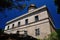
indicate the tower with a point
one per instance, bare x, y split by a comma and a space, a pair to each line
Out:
31, 7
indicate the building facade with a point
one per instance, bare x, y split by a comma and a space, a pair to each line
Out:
36, 23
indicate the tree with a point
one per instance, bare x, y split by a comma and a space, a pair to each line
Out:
52, 36
5, 4
57, 2
9, 4
1, 31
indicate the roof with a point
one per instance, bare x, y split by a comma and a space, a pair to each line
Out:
44, 6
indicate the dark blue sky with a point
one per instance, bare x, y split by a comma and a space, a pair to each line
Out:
16, 12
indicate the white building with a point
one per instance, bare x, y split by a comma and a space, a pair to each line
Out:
36, 23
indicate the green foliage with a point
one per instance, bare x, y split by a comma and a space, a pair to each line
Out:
52, 36
58, 32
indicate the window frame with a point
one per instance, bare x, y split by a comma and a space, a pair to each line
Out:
26, 21
12, 25
17, 32
18, 24
37, 31
36, 18
25, 33
8, 28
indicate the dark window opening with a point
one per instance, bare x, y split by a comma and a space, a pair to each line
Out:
18, 24
26, 21
17, 32
36, 18
12, 25
37, 32
25, 33
8, 28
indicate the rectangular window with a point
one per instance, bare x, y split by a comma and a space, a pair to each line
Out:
26, 21
37, 32
36, 18
18, 24
25, 33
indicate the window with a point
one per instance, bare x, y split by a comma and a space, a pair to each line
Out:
17, 32
37, 32
8, 28
25, 33
26, 21
12, 25
18, 24
36, 18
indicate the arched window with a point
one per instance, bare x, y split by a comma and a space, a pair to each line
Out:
18, 24
12, 25
17, 32
26, 21
8, 28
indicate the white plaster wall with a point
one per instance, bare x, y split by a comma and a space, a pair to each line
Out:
44, 25
6, 27
44, 29
41, 15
